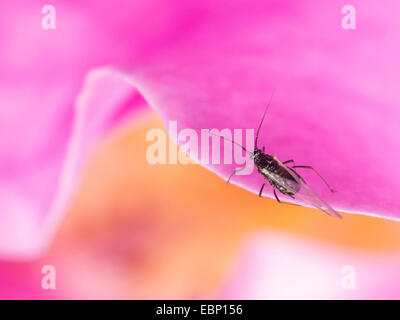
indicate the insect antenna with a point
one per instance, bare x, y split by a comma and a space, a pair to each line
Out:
262, 120
222, 137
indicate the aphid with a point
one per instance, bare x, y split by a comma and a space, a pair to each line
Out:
284, 178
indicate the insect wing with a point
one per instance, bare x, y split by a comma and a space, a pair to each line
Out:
309, 196
303, 192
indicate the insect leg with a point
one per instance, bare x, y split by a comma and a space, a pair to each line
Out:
288, 161
309, 167
284, 202
234, 172
276, 196
297, 174
261, 190
294, 166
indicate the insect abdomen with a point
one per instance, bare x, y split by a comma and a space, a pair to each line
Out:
281, 179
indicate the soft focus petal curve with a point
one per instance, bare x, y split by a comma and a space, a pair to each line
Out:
35, 196
49, 116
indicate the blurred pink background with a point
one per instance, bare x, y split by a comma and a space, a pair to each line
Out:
179, 232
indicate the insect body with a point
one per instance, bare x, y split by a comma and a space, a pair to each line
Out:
277, 176
284, 178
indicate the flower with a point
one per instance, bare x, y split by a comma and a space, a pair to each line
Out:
186, 234
205, 64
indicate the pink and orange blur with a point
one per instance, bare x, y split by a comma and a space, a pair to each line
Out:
77, 193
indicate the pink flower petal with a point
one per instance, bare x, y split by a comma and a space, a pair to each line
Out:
336, 101
44, 133
38, 180
204, 64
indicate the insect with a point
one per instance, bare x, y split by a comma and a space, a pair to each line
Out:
283, 178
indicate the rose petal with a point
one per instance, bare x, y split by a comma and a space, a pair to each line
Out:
45, 132
43, 137
336, 100
205, 65
121, 241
